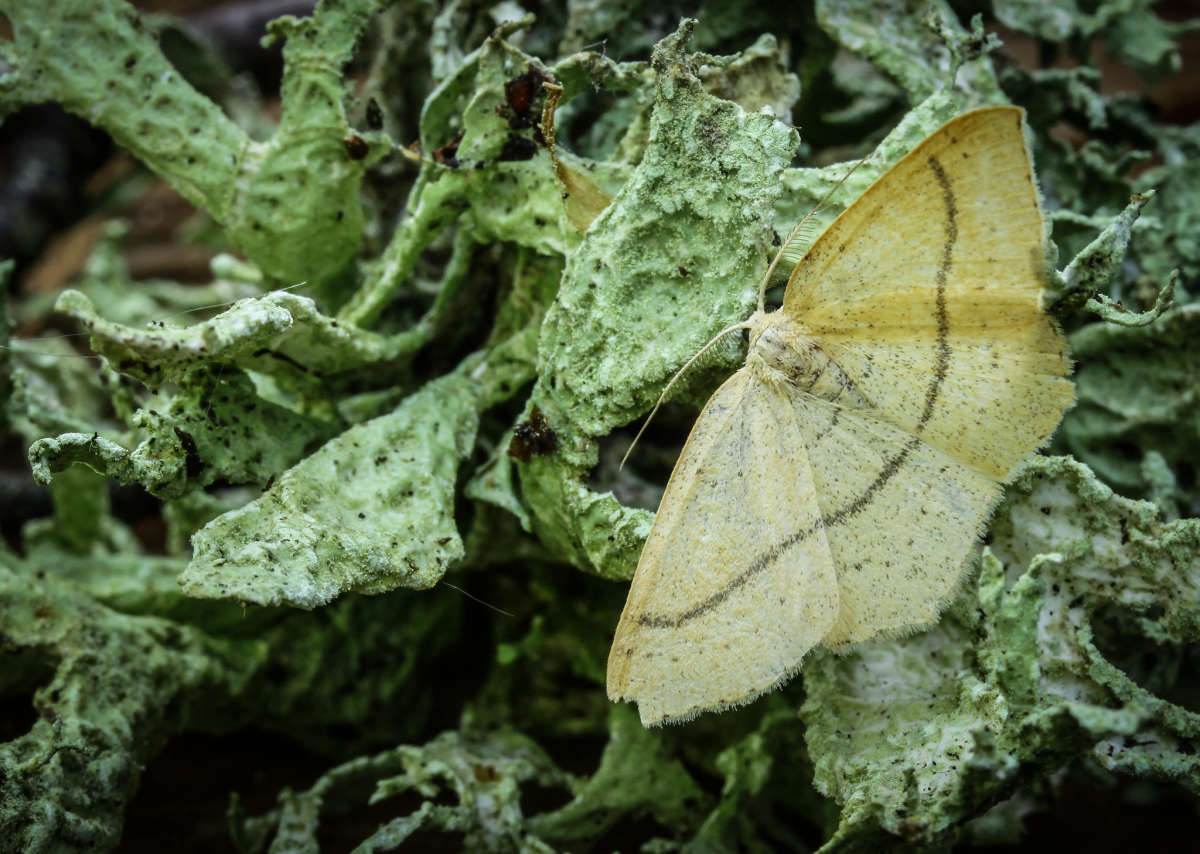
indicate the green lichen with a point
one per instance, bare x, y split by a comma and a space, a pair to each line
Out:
1012, 682
118, 661
1096, 266
925, 51
120, 684
187, 446
501, 181
422, 448
619, 328
1175, 206
372, 510
269, 333
290, 203
184, 435
1137, 396
485, 774
1131, 29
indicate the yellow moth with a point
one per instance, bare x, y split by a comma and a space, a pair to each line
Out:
833, 488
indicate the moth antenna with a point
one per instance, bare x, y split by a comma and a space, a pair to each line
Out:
744, 324
791, 253
477, 599
762, 288
225, 304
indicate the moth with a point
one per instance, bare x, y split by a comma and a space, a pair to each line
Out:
833, 488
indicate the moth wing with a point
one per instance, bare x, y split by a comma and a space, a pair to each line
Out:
999, 392
900, 517
722, 608
893, 237
926, 293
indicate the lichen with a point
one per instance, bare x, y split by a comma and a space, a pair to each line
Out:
485, 774
1136, 390
371, 511
1013, 681
290, 203
386, 434
120, 684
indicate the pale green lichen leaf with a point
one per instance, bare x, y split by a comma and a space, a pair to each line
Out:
215, 427
637, 776
495, 171
48, 456
911, 736
1051, 21
110, 688
1141, 38
754, 78
98, 60
511, 188
291, 203
495, 483
694, 218
1136, 394
924, 51
483, 773
82, 523
592, 530
371, 510
280, 331
1176, 243
1106, 308
108, 283
616, 132
696, 213
113, 662
54, 390
767, 790
1096, 267
1058, 92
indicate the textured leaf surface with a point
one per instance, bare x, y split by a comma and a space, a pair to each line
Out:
1014, 678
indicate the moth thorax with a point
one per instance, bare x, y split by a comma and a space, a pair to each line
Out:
787, 347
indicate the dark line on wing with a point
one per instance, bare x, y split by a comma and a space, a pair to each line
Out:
941, 365
773, 553
828, 428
